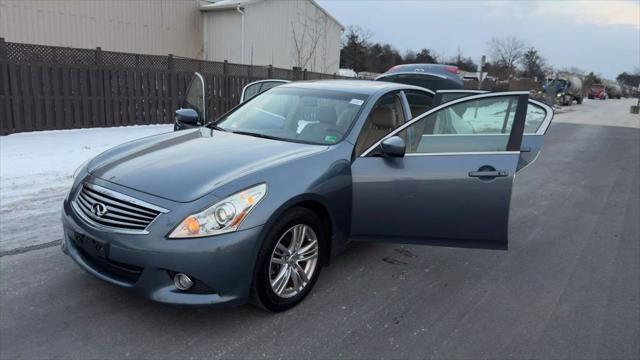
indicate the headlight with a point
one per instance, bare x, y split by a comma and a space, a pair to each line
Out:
559, 95
223, 217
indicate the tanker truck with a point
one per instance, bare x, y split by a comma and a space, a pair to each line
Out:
613, 90
568, 88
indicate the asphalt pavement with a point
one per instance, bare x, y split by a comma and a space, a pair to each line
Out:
567, 288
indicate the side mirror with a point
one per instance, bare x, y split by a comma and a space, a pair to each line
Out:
393, 147
188, 116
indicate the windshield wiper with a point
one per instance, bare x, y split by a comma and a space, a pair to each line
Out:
257, 135
215, 127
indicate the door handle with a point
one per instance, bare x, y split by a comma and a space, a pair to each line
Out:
488, 174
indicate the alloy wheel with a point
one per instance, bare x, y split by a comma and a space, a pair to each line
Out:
293, 261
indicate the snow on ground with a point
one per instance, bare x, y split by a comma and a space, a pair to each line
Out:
35, 174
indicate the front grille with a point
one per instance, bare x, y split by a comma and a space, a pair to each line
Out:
107, 209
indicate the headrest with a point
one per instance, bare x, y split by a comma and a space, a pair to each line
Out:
383, 117
327, 115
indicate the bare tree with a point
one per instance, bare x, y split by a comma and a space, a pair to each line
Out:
505, 53
307, 31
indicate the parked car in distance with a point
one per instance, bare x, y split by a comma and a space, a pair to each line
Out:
597, 91
430, 76
250, 206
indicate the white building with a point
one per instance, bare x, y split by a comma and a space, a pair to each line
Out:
282, 33
260, 32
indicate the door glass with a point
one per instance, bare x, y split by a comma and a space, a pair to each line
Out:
252, 90
449, 96
470, 126
194, 98
419, 102
385, 116
535, 116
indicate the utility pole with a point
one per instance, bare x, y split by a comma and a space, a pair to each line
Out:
480, 76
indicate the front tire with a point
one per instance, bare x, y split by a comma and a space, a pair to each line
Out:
289, 261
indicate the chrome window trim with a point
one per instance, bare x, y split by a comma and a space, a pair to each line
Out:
258, 82
118, 196
440, 107
465, 153
463, 91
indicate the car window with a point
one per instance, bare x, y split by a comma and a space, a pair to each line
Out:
297, 114
254, 89
385, 117
470, 126
194, 98
450, 96
419, 101
535, 116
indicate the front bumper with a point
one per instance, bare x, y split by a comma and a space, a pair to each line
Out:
222, 265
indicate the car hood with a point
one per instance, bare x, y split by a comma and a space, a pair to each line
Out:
186, 165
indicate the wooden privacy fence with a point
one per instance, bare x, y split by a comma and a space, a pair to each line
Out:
49, 87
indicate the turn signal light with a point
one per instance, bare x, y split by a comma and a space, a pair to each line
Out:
193, 225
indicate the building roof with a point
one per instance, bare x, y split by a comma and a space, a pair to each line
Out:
233, 4
225, 4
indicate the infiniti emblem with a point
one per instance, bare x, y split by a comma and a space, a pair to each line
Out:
99, 209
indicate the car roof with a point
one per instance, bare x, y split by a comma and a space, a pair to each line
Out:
365, 87
419, 67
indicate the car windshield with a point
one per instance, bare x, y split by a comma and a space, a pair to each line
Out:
296, 114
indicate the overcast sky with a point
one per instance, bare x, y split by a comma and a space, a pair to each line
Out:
599, 36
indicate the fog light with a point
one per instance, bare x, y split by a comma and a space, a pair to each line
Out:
182, 282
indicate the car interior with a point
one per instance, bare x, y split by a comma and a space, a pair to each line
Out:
386, 115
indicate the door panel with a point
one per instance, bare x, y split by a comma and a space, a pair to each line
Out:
454, 187
433, 200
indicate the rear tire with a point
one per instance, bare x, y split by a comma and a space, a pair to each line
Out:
284, 276
579, 100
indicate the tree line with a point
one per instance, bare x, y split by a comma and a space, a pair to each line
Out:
508, 57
